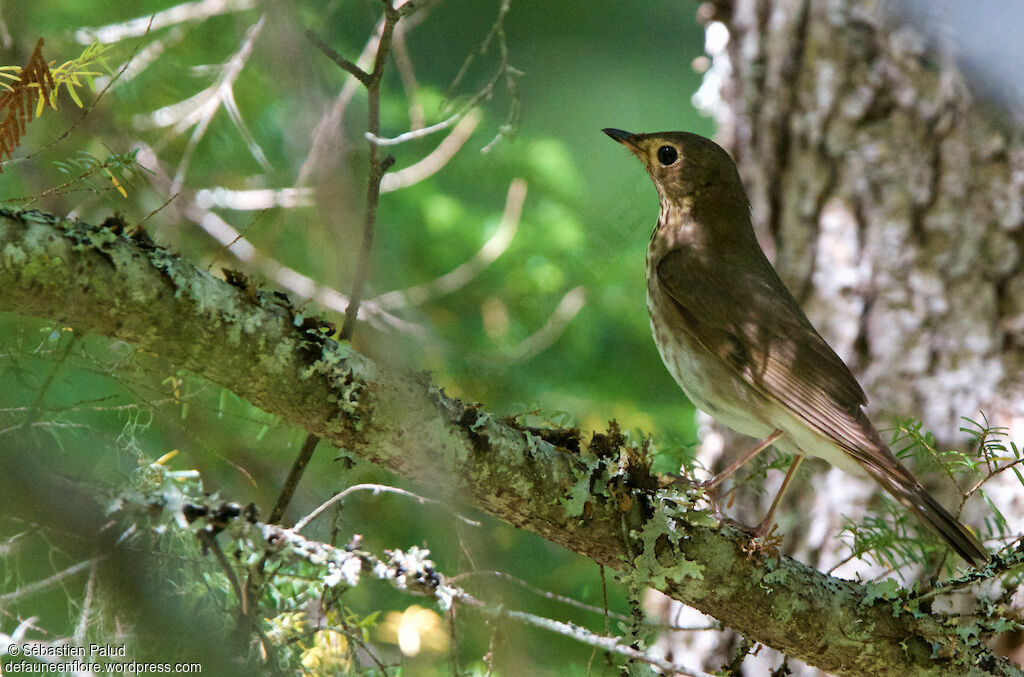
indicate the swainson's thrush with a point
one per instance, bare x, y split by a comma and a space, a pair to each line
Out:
735, 339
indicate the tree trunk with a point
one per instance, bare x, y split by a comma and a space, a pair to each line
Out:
889, 200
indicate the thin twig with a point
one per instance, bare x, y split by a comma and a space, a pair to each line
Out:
210, 541
377, 169
341, 61
991, 475
83, 617
153, 213
294, 477
211, 100
437, 159
417, 133
184, 12
505, 70
61, 359
376, 489
604, 611
45, 584
612, 644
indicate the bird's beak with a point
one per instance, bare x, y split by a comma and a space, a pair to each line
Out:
625, 138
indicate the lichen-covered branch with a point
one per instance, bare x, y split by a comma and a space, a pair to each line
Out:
594, 496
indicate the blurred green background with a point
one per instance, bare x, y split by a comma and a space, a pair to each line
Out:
101, 409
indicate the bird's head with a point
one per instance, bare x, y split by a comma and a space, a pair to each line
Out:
689, 171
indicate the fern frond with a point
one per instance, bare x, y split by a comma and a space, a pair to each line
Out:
33, 86
30, 88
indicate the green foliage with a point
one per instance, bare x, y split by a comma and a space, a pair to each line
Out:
994, 456
119, 168
33, 86
71, 75
891, 536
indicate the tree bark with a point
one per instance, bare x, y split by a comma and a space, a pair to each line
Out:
595, 497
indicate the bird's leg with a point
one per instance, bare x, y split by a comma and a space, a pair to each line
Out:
711, 485
740, 462
766, 525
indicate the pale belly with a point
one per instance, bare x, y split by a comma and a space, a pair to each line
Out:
720, 392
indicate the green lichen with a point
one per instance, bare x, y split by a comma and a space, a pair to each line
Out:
14, 255
30, 215
888, 589
575, 499
774, 576
659, 558
345, 371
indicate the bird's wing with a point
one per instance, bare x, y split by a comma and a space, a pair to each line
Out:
755, 326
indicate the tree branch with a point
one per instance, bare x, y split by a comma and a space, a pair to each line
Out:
595, 497
341, 61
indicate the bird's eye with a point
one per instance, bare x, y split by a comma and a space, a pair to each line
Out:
667, 155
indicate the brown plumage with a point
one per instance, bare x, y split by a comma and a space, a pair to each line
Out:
737, 342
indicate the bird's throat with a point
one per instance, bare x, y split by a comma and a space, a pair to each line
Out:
676, 225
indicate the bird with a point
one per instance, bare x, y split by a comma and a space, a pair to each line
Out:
737, 342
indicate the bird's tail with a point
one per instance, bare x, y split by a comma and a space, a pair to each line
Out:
909, 493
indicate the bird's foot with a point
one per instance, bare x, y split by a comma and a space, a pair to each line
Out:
764, 538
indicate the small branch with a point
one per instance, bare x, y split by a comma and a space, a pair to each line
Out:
417, 133
210, 541
581, 605
376, 489
83, 617
184, 12
377, 169
579, 634
505, 70
341, 61
45, 584
977, 485
294, 477
436, 160
216, 95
